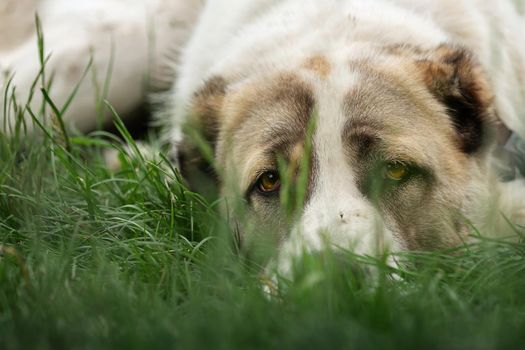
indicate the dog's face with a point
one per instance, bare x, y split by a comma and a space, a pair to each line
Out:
388, 148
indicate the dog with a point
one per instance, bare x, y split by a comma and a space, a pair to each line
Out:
390, 114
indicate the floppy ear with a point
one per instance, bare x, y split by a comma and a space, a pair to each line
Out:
206, 108
457, 80
201, 129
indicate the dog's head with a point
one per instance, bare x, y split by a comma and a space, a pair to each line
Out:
388, 146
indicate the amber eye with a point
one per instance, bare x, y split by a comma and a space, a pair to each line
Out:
395, 171
269, 182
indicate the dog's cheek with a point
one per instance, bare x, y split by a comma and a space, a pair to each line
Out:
259, 229
419, 216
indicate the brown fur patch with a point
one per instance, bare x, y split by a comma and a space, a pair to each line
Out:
319, 65
204, 119
458, 81
205, 111
263, 119
273, 108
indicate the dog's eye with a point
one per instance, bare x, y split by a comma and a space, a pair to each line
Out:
395, 171
269, 182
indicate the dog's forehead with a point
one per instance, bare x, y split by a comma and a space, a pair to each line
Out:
274, 111
395, 109
277, 109
350, 103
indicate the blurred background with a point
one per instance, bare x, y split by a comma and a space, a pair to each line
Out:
119, 50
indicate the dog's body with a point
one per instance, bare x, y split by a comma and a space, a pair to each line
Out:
398, 100
131, 43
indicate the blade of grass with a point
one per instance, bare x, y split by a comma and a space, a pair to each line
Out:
77, 86
59, 119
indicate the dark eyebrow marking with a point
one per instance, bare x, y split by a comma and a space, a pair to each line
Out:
361, 136
286, 91
281, 112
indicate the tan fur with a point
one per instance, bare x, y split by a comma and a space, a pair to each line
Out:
206, 108
265, 118
319, 65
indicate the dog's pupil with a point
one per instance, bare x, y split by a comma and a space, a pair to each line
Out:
269, 181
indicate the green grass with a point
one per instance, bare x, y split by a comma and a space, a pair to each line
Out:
132, 259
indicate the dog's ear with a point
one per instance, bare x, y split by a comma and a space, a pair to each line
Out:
205, 109
201, 129
457, 80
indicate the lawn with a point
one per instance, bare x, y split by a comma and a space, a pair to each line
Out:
92, 258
